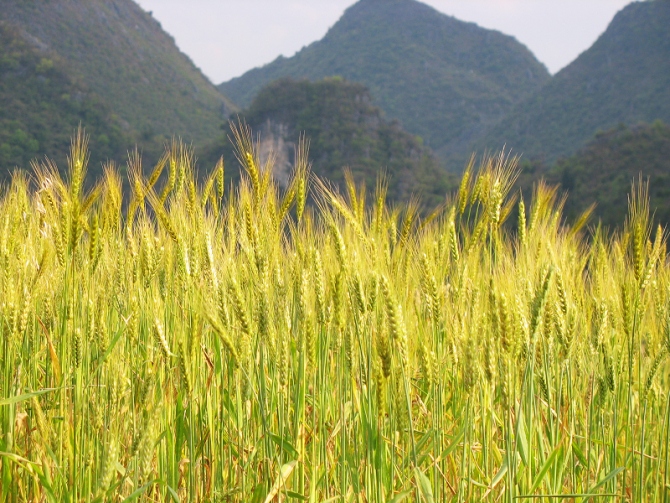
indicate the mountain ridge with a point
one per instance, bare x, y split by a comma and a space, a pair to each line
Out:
623, 78
41, 106
123, 55
443, 79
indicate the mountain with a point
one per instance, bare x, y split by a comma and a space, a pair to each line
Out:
443, 79
602, 172
121, 54
623, 78
41, 106
345, 130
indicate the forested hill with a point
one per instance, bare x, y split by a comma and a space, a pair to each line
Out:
623, 78
443, 79
41, 106
603, 170
120, 53
345, 131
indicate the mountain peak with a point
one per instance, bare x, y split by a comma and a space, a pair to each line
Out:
444, 79
382, 2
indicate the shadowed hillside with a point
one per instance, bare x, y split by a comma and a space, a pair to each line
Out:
345, 130
603, 170
623, 78
122, 54
41, 105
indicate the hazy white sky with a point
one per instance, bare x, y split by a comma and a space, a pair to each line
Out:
225, 38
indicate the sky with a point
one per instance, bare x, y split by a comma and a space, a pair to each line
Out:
225, 38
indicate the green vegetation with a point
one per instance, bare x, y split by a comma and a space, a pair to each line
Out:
239, 346
603, 171
623, 78
42, 106
345, 131
443, 79
121, 54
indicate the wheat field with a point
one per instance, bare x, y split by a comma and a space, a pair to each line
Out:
192, 341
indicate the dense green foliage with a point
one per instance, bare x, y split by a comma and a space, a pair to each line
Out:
444, 79
121, 53
604, 169
41, 106
346, 131
623, 78
233, 346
